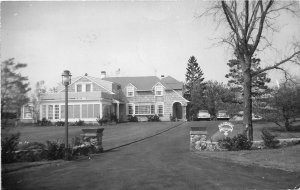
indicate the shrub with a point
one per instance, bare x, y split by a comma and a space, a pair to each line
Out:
59, 123
113, 117
239, 142
79, 123
55, 150
9, 145
269, 139
44, 122
102, 120
172, 118
226, 143
30, 152
132, 118
153, 118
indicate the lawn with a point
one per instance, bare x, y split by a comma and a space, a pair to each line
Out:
257, 128
113, 135
287, 158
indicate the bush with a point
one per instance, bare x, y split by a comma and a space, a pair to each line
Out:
9, 145
153, 118
59, 123
269, 139
132, 118
102, 120
172, 118
113, 117
239, 142
44, 122
55, 150
78, 123
30, 152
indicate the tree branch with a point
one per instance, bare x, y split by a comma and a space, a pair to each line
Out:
276, 65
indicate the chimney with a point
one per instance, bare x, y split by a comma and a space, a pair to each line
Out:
103, 74
162, 76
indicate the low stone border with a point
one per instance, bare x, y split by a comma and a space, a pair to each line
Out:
201, 144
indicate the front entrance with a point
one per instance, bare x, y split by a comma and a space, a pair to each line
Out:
177, 110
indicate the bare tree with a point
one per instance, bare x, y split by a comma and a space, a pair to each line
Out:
249, 23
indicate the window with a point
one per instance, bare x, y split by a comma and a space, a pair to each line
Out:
62, 111
76, 111
88, 87
130, 91
130, 109
160, 110
158, 90
50, 111
56, 115
44, 110
70, 111
90, 110
79, 88
144, 109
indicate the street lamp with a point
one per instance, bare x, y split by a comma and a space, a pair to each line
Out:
66, 80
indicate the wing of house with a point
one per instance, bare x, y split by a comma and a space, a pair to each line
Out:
92, 97
149, 95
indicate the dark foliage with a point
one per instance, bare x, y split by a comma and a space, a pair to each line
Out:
269, 139
59, 123
239, 142
44, 122
132, 118
55, 150
153, 118
9, 145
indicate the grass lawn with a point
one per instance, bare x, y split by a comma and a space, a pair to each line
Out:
113, 135
287, 158
257, 128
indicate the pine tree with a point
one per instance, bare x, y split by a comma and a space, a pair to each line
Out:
235, 76
14, 87
194, 86
193, 75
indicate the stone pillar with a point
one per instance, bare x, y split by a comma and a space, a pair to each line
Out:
118, 111
94, 137
198, 137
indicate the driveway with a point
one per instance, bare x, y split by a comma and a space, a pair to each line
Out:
161, 162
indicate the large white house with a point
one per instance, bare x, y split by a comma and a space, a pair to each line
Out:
92, 97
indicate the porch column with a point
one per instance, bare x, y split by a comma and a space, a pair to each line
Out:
184, 112
118, 111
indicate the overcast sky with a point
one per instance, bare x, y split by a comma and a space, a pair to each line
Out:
139, 38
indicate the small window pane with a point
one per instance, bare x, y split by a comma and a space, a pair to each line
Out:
50, 111
130, 109
56, 112
77, 111
62, 111
90, 110
84, 110
79, 88
88, 87
96, 110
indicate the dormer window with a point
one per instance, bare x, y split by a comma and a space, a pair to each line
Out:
88, 87
158, 90
84, 87
130, 91
79, 87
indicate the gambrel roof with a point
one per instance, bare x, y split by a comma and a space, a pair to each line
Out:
146, 83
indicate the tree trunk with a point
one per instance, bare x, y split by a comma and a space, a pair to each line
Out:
247, 120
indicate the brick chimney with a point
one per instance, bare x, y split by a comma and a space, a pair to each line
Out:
103, 74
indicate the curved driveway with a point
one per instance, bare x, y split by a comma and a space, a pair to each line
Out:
160, 162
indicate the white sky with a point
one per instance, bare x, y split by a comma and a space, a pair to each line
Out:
140, 38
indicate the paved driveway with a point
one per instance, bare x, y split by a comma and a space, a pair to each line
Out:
161, 162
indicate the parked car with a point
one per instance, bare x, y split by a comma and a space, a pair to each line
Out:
222, 115
203, 115
240, 116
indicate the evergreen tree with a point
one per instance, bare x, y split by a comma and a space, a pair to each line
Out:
14, 88
193, 75
194, 86
236, 80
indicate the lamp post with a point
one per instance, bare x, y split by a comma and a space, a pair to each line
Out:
66, 80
